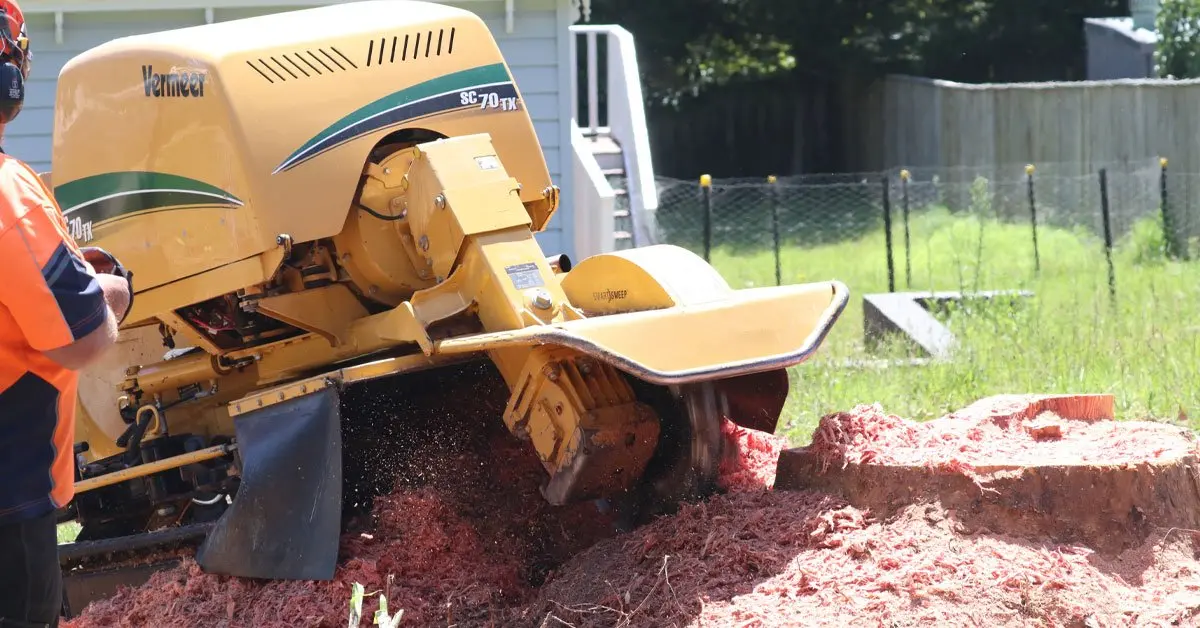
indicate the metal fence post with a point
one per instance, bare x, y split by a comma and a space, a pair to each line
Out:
1108, 238
1037, 261
706, 191
1167, 226
887, 234
904, 175
774, 192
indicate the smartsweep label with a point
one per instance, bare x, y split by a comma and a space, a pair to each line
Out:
608, 296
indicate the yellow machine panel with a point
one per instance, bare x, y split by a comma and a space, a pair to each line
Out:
251, 129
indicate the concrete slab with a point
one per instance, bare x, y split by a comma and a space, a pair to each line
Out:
911, 314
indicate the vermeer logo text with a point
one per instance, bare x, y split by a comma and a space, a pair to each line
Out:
180, 84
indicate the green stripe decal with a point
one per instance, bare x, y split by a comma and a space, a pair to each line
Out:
114, 194
435, 96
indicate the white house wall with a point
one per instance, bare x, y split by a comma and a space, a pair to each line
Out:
535, 50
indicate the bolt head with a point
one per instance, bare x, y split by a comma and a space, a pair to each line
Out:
423, 243
542, 300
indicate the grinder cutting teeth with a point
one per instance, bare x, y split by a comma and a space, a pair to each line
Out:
377, 239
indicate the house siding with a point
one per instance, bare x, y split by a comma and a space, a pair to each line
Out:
1115, 52
533, 51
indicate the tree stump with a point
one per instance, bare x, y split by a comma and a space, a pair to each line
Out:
1054, 466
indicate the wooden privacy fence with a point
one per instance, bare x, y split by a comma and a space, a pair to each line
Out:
858, 124
934, 123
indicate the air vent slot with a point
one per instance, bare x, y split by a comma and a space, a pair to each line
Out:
290, 66
420, 45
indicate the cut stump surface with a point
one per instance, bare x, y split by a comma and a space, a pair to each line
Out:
1054, 466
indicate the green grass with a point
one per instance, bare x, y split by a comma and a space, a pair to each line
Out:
1144, 348
67, 532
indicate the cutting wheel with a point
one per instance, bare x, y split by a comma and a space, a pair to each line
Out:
689, 455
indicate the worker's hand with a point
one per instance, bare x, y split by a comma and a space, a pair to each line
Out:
118, 294
104, 263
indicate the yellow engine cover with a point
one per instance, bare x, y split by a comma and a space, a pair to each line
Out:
189, 153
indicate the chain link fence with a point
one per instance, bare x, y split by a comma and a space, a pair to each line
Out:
936, 228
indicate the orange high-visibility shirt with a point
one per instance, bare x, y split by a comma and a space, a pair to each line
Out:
48, 299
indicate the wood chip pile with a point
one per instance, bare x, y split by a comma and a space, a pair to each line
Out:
825, 549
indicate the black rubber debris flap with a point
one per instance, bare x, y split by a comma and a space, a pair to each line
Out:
285, 522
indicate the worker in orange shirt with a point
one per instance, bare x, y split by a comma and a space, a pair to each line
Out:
60, 307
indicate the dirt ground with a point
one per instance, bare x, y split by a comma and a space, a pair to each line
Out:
473, 544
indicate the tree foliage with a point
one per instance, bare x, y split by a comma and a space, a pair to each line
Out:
687, 46
1177, 54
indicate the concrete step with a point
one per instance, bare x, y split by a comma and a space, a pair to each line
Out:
622, 240
608, 155
612, 165
604, 144
623, 224
616, 173
610, 161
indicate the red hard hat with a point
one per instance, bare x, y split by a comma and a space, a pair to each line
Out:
16, 30
14, 60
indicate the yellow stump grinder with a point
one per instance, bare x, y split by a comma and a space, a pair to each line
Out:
347, 196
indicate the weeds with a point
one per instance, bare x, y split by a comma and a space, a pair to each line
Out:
381, 618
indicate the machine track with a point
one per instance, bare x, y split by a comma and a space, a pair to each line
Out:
95, 569
79, 554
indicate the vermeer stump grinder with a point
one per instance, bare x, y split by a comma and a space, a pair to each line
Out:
343, 197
